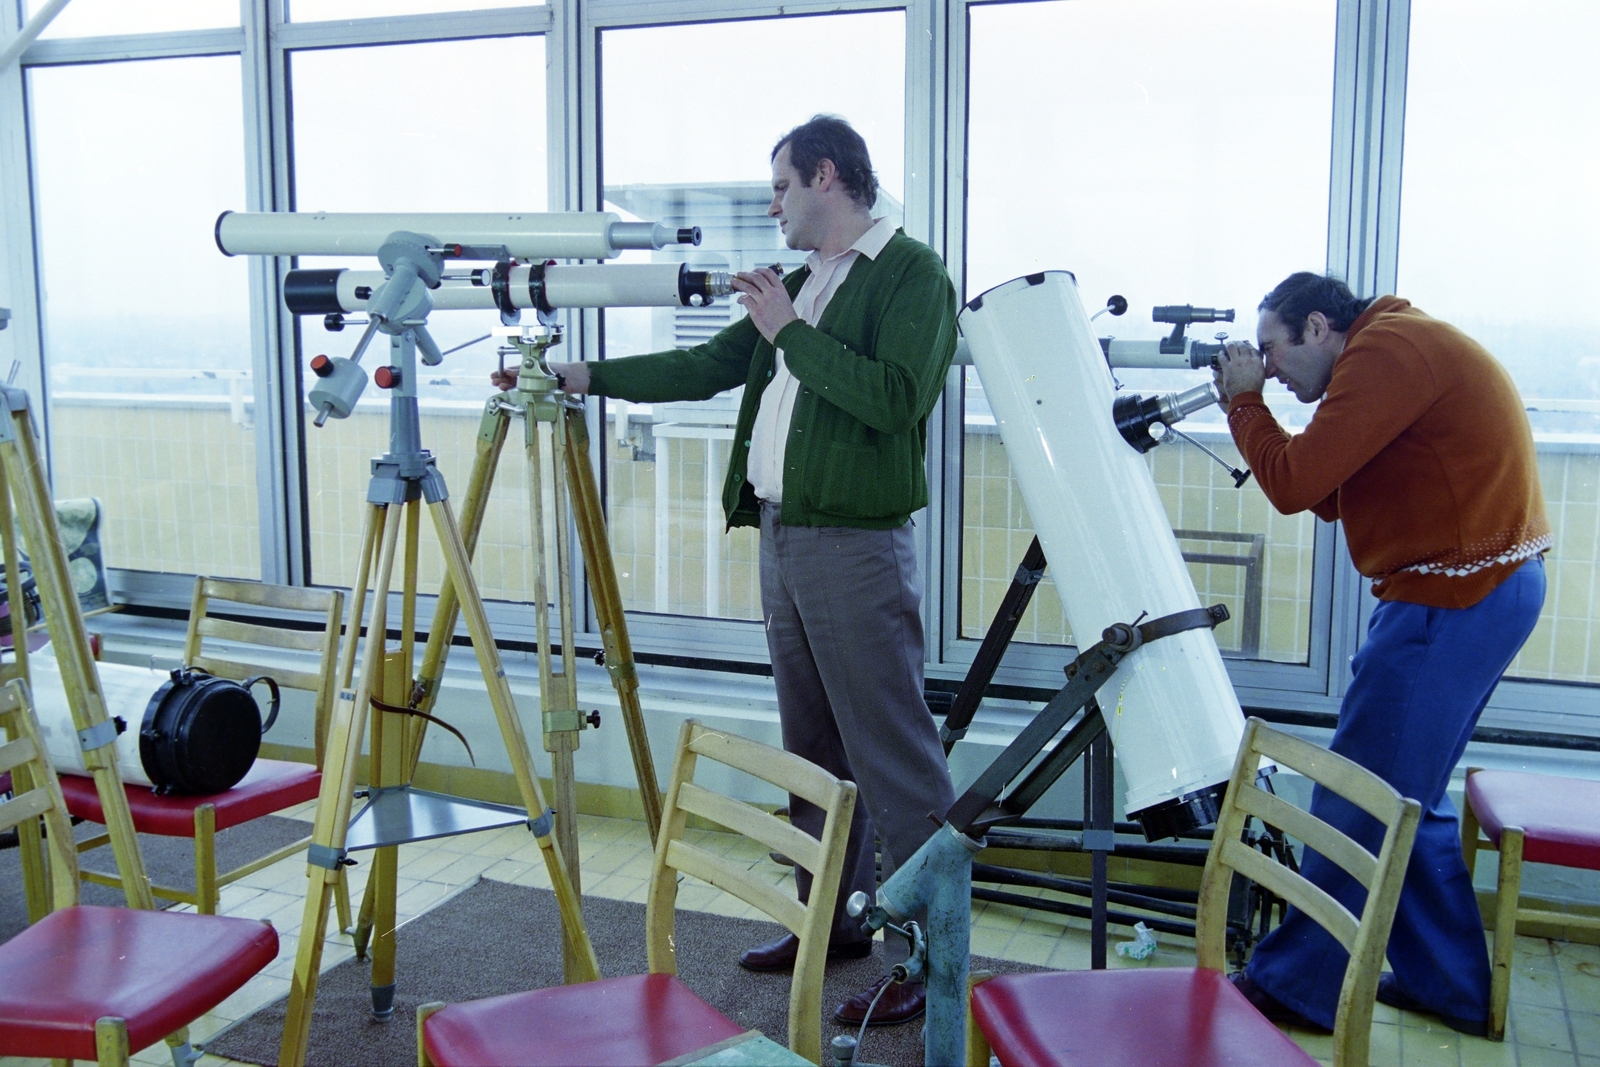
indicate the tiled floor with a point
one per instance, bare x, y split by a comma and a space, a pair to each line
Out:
1555, 993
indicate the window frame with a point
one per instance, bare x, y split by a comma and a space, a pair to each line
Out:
1367, 129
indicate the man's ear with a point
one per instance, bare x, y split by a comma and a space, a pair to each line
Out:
827, 174
1317, 326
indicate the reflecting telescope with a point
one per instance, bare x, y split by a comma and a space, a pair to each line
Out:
1172, 714
510, 288
481, 235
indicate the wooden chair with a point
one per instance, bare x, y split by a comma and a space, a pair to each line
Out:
271, 785
94, 983
650, 1018
1194, 1017
1534, 818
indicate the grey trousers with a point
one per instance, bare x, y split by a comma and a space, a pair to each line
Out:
842, 609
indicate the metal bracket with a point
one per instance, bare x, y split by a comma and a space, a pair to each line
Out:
570, 719
545, 823
101, 734
1099, 841
331, 859
948, 737
1027, 575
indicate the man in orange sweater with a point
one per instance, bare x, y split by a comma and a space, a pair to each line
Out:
1421, 447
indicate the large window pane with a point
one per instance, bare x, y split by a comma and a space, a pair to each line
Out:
667, 462
1498, 225
147, 344
100, 18
449, 154
1174, 152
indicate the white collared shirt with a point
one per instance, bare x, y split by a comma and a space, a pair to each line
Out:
771, 431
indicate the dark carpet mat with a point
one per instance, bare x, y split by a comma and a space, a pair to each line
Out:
496, 938
169, 861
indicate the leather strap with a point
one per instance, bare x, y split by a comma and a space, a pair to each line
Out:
397, 710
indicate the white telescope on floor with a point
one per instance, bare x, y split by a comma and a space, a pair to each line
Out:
1170, 711
483, 235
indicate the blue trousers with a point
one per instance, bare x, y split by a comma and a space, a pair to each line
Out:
1420, 682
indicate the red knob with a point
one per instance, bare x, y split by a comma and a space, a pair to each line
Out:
321, 366
386, 377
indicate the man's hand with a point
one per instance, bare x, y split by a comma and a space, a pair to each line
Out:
574, 377
1240, 369
766, 299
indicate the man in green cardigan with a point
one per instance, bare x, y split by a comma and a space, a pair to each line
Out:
841, 361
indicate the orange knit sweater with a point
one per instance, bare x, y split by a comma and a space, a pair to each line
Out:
1422, 447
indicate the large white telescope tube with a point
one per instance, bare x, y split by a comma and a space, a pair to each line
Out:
524, 286
541, 235
1170, 710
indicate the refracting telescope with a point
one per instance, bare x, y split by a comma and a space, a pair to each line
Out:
510, 288
413, 250
480, 236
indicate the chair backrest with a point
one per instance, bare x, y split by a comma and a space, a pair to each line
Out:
327, 604
36, 793
1381, 874
823, 858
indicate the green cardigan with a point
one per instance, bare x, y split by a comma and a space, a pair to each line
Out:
870, 372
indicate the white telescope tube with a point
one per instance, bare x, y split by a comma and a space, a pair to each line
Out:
127, 691
570, 285
1196, 355
547, 235
1170, 710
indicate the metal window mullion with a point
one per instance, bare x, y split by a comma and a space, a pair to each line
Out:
344, 33
18, 224
611, 14
1363, 231
226, 40
274, 476
581, 185
948, 173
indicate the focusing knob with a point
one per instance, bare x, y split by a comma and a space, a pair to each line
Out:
321, 366
386, 377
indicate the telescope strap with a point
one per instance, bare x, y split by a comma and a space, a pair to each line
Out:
1178, 622
398, 710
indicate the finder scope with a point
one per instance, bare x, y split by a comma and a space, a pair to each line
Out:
1183, 314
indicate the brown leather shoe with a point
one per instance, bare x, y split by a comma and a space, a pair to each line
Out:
899, 1004
780, 955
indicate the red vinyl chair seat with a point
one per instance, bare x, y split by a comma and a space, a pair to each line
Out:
1559, 817
271, 786
616, 1022
158, 970
1148, 1017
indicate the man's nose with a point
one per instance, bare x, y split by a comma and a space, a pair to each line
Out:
775, 208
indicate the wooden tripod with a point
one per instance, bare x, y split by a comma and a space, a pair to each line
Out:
402, 480
537, 400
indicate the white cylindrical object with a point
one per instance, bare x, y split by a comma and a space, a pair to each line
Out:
566, 285
127, 692
542, 235
1170, 709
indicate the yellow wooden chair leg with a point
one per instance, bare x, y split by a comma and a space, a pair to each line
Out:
1470, 828
978, 1051
111, 1041
1509, 887
423, 1011
205, 859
